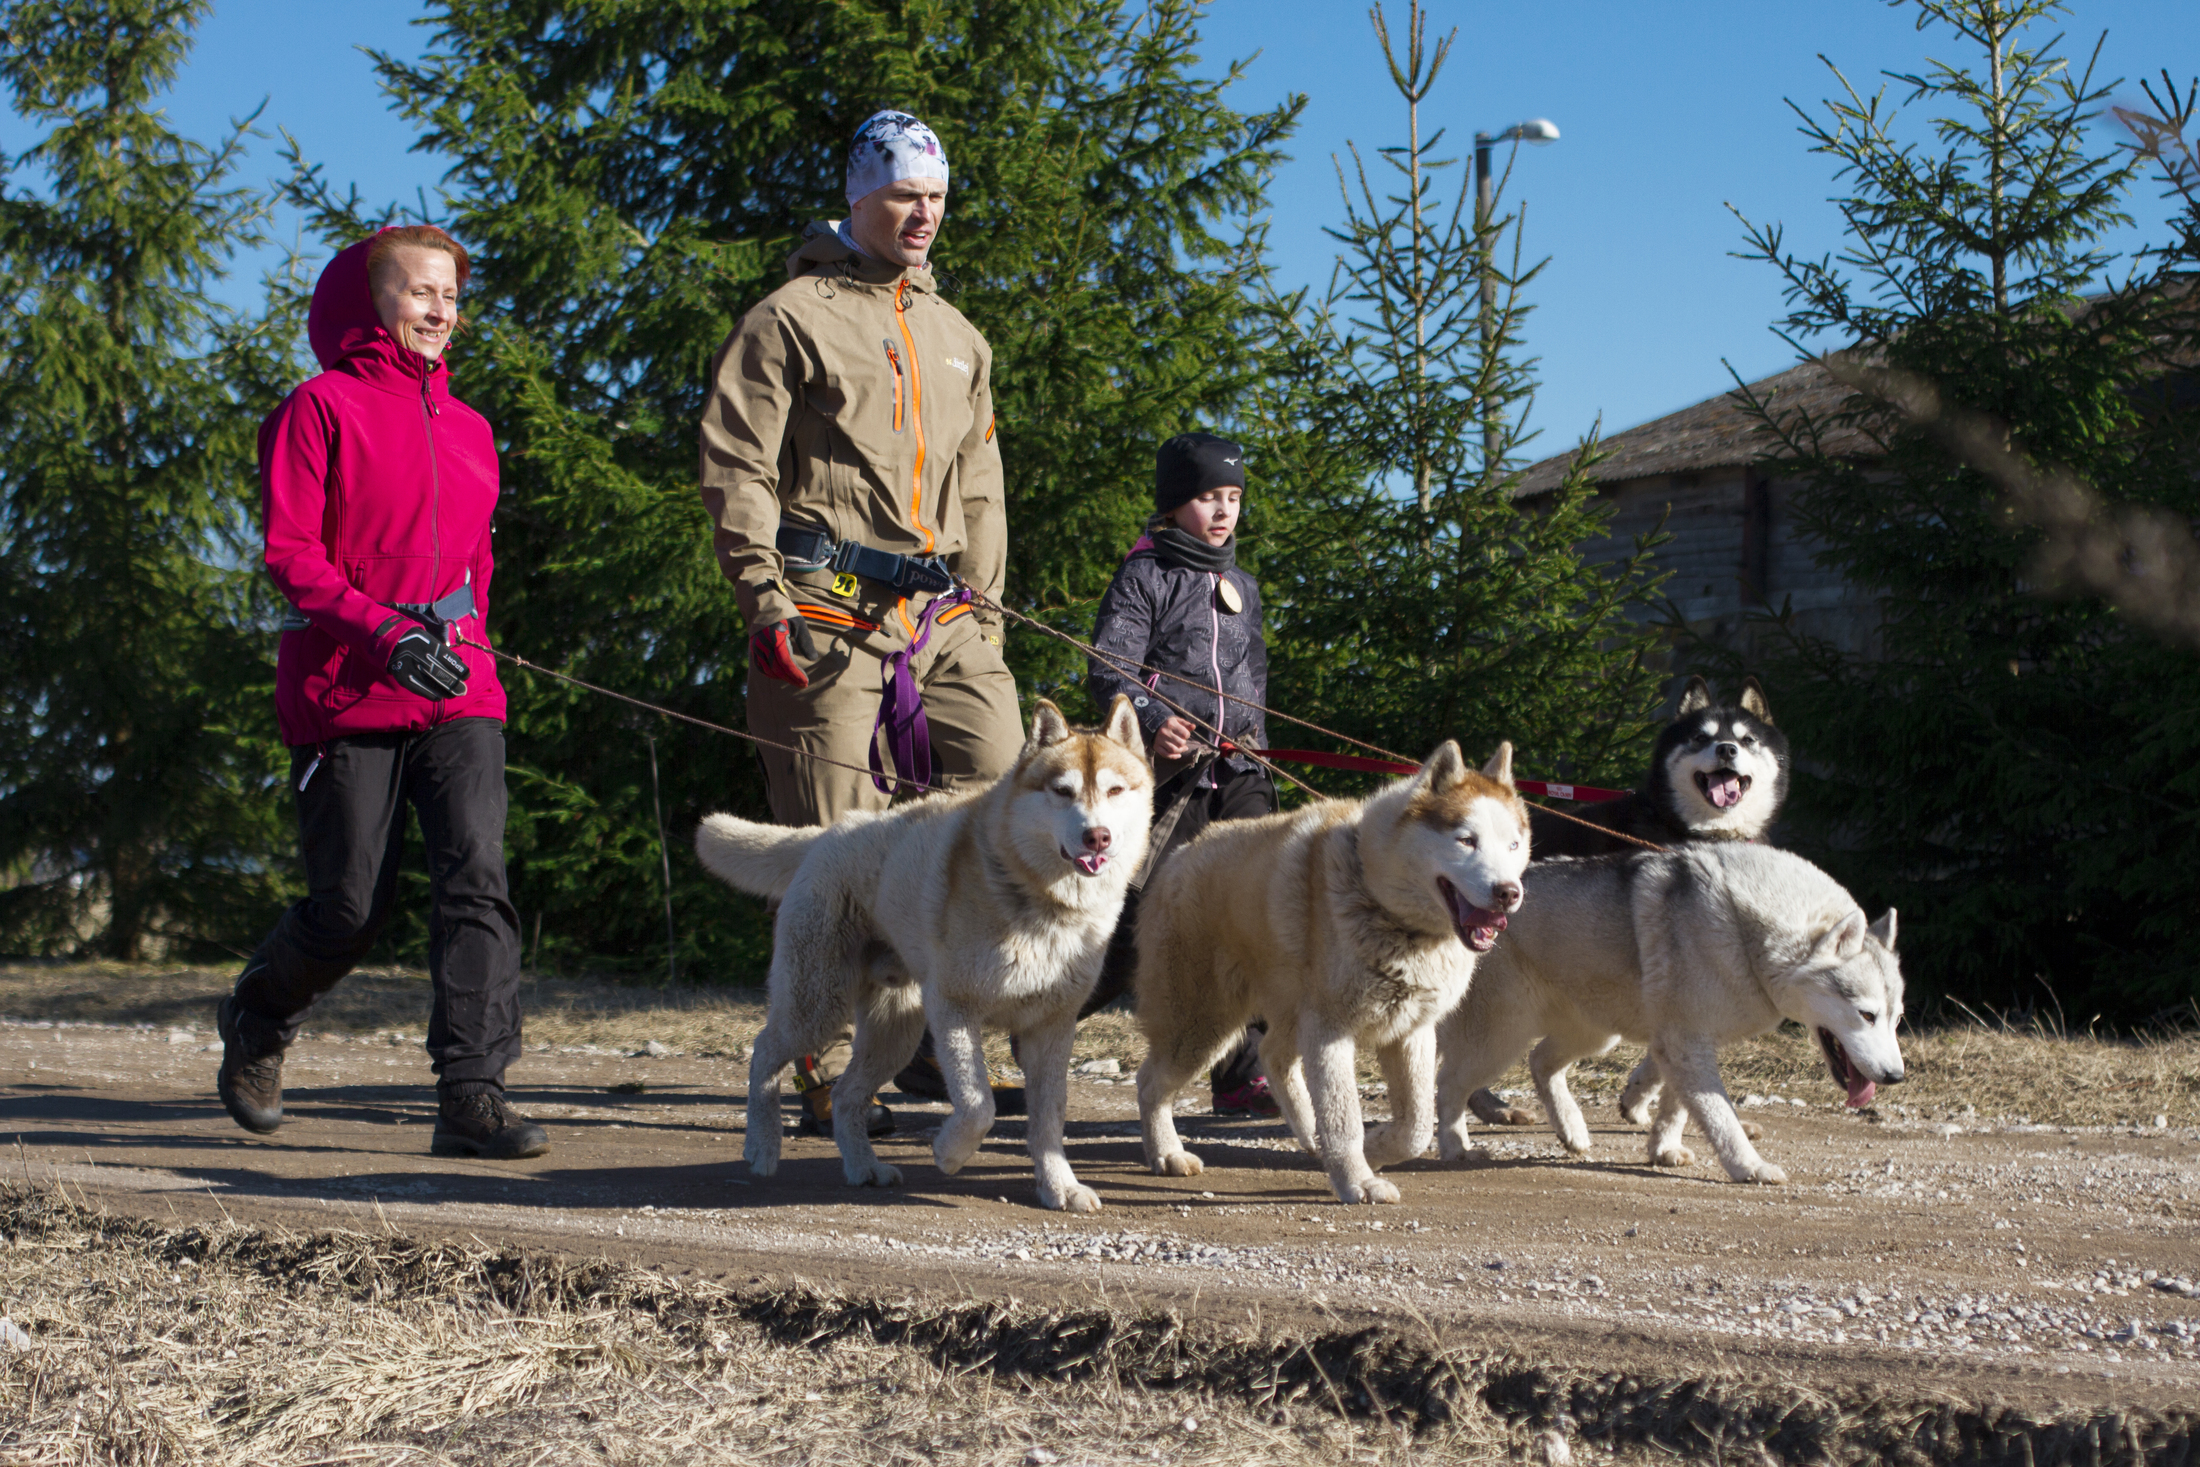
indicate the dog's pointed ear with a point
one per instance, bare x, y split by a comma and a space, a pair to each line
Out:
1447, 766
1123, 725
1500, 767
1843, 940
1883, 929
1048, 726
1753, 700
1695, 697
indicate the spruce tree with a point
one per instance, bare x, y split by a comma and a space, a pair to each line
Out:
631, 177
140, 781
1412, 598
2011, 761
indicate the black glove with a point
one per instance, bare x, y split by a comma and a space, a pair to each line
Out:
422, 665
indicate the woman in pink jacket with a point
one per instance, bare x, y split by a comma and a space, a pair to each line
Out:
379, 489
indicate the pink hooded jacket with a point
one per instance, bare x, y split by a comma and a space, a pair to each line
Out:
378, 487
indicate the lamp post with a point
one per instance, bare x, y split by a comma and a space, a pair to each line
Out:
1536, 131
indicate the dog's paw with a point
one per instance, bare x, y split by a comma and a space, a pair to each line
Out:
1673, 1156
1386, 1145
951, 1151
1368, 1189
1753, 1131
1179, 1164
871, 1174
1575, 1145
1637, 1114
1767, 1174
1455, 1145
1076, 1197
762, 1155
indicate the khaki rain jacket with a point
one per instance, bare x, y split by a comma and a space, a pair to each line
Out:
853, 400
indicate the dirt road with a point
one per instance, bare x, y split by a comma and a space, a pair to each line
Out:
1978, 1258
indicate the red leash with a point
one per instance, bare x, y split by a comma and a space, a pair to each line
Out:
1325, 760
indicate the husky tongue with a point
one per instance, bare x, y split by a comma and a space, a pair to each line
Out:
1861, 1090
1476, 927
1090, 864
1723, 788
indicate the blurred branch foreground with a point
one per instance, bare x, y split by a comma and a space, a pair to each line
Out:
2143, 561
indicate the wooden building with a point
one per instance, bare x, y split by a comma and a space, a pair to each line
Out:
1735, 547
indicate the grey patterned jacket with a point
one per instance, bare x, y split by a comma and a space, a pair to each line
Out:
1169, 618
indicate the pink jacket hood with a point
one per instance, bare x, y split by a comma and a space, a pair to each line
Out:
343, 317
379, 489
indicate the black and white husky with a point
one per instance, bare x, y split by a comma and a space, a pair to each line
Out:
1718, 772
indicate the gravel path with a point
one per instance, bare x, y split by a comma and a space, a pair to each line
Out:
2061, 1261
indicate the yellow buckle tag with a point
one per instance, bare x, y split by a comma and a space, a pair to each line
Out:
844, 584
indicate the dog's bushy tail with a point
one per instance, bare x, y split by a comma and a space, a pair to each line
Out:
760, 859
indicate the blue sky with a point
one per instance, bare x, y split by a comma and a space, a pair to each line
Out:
1669, 112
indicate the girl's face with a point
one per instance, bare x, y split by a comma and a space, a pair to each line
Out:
1213, 516
416, 295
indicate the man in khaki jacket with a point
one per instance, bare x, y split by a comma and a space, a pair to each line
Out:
849, 468
853, 407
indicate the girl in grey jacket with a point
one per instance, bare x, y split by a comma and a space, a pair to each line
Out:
1180, 624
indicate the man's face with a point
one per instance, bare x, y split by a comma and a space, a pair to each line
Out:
898, 222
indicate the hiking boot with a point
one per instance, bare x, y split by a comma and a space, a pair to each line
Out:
923, 1078
250, 1081
817, 1104
484, 1125
1250, 1099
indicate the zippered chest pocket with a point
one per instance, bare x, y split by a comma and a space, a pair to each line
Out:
901, 382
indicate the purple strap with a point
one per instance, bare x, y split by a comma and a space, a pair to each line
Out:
901, 707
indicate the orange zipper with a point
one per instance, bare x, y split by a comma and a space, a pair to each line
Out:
916, 412
895, 358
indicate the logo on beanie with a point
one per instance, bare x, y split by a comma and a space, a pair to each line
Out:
1190, 464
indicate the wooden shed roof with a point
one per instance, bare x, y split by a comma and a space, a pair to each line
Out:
1717, 433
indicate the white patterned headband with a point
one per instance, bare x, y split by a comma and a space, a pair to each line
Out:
889, 147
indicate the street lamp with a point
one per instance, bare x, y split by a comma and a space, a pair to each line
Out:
1536, 131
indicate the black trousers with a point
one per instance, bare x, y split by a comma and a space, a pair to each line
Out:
1245, 794
351, 826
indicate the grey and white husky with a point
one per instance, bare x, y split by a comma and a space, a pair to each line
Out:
1683, 951
1719, 772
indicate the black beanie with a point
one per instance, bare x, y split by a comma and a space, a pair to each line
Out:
1190, 464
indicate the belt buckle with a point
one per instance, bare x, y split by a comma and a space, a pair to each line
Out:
927, 573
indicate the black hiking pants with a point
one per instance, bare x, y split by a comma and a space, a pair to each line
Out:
1243, 794
351, 826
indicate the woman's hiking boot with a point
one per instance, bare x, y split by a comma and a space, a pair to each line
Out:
483, 1124
817, 1103
250, 1081
923, 1078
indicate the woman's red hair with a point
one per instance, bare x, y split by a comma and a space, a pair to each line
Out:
421, 237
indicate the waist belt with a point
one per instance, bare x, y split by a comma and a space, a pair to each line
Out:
806, 549
435, 614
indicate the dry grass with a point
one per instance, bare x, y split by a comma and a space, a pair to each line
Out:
229, 1345
221, 1345
378, 1000
2003, 1072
